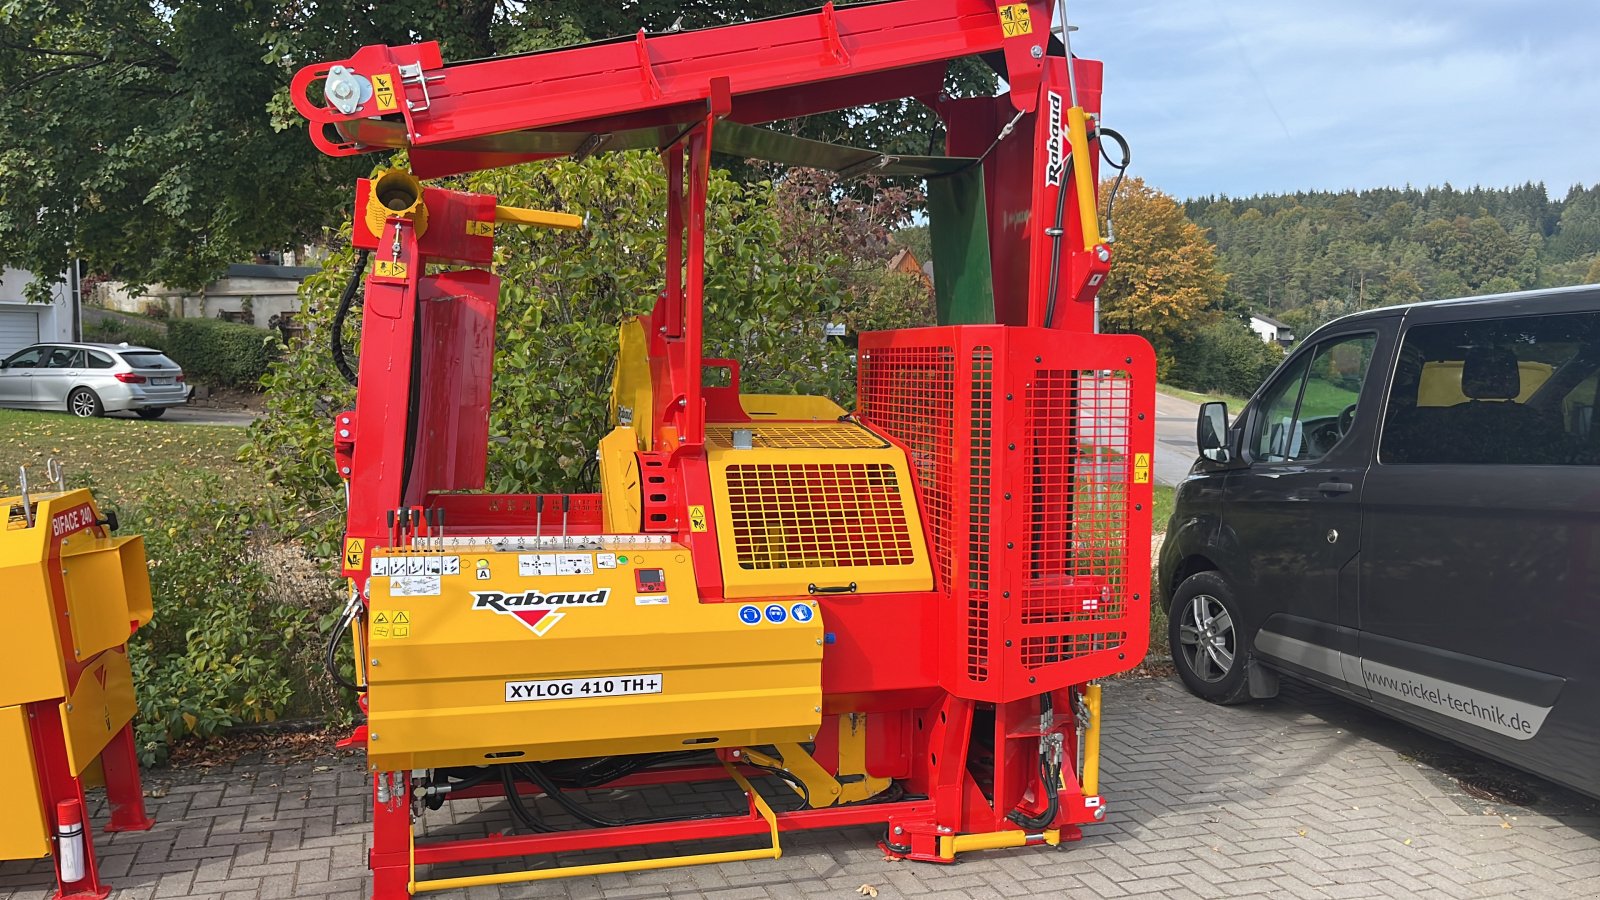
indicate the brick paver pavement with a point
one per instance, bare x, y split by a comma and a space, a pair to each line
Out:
1302, 796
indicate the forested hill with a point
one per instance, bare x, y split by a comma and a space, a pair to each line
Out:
1308, 257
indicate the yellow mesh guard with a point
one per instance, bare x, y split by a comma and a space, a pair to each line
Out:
825, 505
797, 436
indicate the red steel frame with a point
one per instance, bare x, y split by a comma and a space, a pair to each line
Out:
1037, 482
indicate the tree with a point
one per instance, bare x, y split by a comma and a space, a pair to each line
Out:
852, 240
155, 140
1164, 277
563, 297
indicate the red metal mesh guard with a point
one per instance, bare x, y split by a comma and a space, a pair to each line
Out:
1027, 445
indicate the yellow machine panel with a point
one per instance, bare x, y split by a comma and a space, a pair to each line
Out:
99, 706
577, 651
814, 507
23, 834
108, 590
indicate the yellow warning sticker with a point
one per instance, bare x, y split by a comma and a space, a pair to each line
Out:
1141, 468
1015, 20
389, 268
355, 552
697, 518
391, 624
476, 228
383, 91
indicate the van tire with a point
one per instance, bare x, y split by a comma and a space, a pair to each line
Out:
1199, 651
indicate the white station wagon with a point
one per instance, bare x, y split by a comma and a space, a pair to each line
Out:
92, 379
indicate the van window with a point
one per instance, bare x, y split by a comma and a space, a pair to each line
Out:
1312, 404
1497, 392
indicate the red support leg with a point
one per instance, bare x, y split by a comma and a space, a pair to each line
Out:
120, 762
57, 783
390, 859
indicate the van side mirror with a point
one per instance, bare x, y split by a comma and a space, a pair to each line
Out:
1211, 430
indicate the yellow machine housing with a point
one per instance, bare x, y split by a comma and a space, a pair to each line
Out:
608, 642
103, 586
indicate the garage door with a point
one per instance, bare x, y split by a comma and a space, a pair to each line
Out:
18, 329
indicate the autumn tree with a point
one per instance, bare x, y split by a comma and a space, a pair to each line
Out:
1164, 280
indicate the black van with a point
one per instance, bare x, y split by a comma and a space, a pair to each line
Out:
1408, 513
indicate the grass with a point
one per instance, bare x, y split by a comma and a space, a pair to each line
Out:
118, 456
1234, 403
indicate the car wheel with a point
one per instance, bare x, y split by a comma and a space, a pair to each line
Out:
85, 404
154, 412
1207, 639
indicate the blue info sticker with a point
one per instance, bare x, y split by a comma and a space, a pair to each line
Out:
776, 613
802, 612
750, 615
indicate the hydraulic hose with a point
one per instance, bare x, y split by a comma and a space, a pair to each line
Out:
340, 629
346, 300
1049, 777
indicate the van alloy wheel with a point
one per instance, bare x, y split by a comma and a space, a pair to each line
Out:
1206, 638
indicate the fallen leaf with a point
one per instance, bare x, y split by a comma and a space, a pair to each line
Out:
867, 890
1408, 842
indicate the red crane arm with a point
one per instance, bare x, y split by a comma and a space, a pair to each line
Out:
492, 112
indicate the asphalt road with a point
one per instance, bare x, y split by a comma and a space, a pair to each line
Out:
197, 415
1175, 450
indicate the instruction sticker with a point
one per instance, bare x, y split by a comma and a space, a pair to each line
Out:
574, 564
414, 586
606, 560
476, 228
1141, 468
697, 518
530, 564
383, 90
1015, 20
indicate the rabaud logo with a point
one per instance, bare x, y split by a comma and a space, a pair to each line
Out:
537, 611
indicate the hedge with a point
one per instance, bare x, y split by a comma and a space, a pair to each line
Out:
222, 354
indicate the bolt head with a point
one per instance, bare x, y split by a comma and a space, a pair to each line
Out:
1102, 254
1099, 812
1036, 51
899, 830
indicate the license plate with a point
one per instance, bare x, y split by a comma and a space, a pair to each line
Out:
583, 688
161, 381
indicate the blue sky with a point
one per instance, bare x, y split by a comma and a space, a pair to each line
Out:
1253, 96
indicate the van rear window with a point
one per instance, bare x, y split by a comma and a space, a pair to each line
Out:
1499, 392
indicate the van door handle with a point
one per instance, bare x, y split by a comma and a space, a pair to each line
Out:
1336, 487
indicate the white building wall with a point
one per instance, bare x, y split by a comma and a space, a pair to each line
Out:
54, 318
1264, 330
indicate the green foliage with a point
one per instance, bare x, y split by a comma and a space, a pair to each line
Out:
234, 636
1308, 257
117, 331
563, 297
221, 353
1224, 356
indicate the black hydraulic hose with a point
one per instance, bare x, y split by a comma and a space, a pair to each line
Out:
1049, 779
523, 814
1057, 232
340, 629
346, 300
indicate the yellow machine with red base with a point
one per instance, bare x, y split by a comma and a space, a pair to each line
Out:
73, 596
896, 611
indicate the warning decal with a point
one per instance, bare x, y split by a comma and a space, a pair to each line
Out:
1141, 468
1015, 20
383, 91
355, 551
391, 624
389, 268
697, 518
